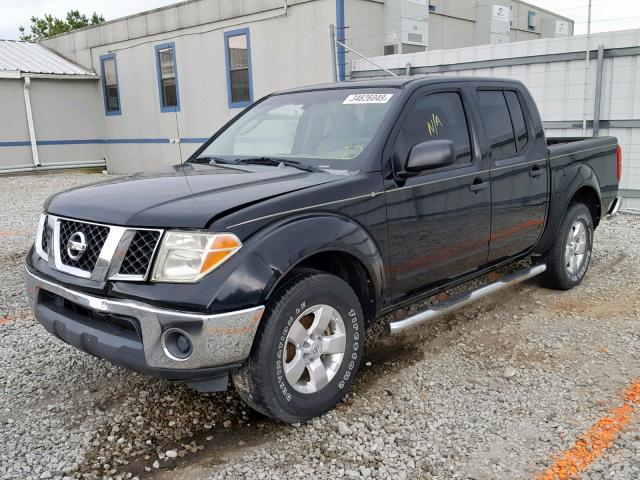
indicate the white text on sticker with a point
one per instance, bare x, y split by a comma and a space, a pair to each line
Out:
359, 98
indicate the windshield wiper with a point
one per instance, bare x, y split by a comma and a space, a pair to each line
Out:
209, 160
277, 162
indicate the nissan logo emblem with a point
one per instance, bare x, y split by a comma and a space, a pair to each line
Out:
76, 245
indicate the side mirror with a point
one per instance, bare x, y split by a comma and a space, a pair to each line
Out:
429, 155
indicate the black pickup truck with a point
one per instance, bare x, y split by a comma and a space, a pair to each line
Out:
270, 252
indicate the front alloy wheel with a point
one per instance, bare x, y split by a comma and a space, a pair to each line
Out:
314, 348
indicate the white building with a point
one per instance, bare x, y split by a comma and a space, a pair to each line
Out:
170, 77
39, 124
462, 23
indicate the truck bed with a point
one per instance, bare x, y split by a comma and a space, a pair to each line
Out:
583, 147
592, 155
565, 140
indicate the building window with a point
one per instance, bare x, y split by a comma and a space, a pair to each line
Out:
110, 89
238, 58
168, 77
432, 8
531, 18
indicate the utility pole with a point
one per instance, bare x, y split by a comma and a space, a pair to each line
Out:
586, 75
334, 69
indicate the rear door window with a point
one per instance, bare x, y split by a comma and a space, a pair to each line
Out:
497, 123
439, 116
517, 119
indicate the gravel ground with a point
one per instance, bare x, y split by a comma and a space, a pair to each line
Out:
495, 391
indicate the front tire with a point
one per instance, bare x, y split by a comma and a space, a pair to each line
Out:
570, 256
307, 349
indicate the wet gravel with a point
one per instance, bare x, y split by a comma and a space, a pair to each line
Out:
495, 391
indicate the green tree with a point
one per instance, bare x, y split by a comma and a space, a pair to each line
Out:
48, 26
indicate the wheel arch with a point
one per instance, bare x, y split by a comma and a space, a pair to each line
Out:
326, 243
345, 266
591, 198
578, 184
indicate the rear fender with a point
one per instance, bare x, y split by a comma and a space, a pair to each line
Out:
565, 183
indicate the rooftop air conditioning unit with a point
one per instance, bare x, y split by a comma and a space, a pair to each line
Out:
406, 26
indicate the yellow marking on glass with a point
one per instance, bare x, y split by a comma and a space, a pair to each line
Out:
433, 124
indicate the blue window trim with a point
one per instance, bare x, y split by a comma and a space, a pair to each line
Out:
109, 56
237, 33
340, 36
172, 46
530, 20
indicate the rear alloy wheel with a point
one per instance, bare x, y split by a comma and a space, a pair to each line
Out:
569, 257
575, 250
307, 349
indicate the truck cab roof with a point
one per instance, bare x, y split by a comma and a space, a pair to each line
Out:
397, 82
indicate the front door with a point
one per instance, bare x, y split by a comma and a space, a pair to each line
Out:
438, 221
519, 173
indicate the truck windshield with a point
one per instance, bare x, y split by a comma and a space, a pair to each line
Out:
322, 128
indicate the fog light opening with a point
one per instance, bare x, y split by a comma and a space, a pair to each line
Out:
177, 344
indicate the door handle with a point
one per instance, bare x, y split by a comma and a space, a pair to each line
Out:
478, 185
536, 171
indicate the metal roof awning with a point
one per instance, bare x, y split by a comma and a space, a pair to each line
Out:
26, 59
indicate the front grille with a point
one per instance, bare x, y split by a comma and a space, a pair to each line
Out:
138, 257
127, 253
95, 236
44, 240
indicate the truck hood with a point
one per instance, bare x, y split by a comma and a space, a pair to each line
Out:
189, 199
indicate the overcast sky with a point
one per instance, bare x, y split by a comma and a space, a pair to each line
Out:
606, 15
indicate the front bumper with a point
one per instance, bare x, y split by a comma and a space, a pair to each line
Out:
130, 333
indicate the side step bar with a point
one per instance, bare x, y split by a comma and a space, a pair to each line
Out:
466, 298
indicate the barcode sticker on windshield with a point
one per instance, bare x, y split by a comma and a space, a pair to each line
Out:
360, 98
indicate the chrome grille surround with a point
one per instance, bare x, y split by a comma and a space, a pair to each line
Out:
110, 246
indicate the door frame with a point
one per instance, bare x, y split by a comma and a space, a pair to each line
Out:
534, 153
478, 165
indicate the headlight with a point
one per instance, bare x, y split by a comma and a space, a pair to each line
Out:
188, 256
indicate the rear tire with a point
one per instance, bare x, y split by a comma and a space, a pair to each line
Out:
569, 257
307, 349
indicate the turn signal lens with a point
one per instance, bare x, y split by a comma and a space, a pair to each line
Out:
226, 241
213, 259
186, 257
619, 162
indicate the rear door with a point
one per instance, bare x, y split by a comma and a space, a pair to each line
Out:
519, 175
438, 221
